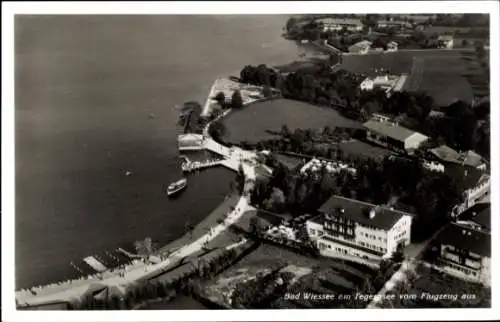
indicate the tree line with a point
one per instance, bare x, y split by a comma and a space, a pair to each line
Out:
188, 283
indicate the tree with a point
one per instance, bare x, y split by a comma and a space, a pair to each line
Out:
290, 23
240, 180
267, 92
218, 130
236, 100
276, 201
398, 255
221, 99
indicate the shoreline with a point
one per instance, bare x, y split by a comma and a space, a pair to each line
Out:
139, 271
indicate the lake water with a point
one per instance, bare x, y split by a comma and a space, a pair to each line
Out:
85, 87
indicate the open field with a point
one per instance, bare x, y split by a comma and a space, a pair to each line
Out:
442, 74
306, 274
251, 123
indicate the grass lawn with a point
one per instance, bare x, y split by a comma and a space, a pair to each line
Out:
251, 123
441, 73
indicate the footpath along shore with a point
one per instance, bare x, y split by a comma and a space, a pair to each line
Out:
138, 270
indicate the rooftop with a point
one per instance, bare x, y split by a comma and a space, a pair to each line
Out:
288, 161
364, 44
389, 129
466, 238
445, 153
480, 213
358, 211
445, 37
340, 21
471, 176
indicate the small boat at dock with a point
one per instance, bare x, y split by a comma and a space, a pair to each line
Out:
176, 187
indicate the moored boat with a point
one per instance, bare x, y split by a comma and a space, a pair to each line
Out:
176, 187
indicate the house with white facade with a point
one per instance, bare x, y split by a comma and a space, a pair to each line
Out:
465, 246
392, 46
337, 24
384, 82
445, 41
383, 131
359, 231
393, 23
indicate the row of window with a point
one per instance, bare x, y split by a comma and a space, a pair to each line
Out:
377, 248
463, 270
340, 250
374, 237
340, 220
340, 229
400, 236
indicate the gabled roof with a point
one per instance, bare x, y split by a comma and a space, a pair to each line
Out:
357, 211
471, 158
396, 132
466, 238
445, 37
471, 176
445, 153
364, 44
480, 214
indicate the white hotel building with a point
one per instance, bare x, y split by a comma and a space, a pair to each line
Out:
359, 231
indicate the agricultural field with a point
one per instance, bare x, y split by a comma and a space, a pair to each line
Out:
445, 75
296, 274
252, 122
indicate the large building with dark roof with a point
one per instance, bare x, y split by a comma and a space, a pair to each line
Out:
477, 217
353, 229
383, 131
465, 246
449, 156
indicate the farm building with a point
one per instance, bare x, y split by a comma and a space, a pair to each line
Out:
353, 229
382, 131
393, 23
361, 47
385, 82
445, 41
392, 46
332, 24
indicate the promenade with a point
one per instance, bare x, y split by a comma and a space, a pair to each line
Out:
118, 279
